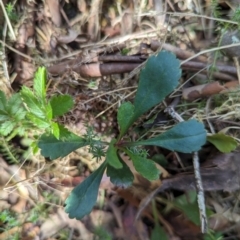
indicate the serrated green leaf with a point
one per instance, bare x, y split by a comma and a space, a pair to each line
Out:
55, 130
83, 197
3, 115
14, 109
14, 104
3, 100
112, 156
49, 112
122, 177
159, 78
33, 104
6, 127
61, 104
223, 142
124, 116
20, 130
39, 122
39, 83
20, 114
54, 148
146, 167
188, 136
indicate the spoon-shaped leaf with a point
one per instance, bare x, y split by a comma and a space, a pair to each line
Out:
83, 197
158, 78
122, 177
186, 137
124, 116
223, 142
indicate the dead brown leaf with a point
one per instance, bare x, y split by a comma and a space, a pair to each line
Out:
134, 230
219, 173
183, 227
52, 10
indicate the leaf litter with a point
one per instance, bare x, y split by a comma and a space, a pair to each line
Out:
218, 173
75, 41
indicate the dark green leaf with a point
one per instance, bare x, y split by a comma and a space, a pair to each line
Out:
83, 197
212, 235
39, 83
3, 100
223, 142
189, 206
186, 137
54, 148
61, 104
124, 115
122, 177
160, 159
157, 232
33, 104
159, 78
146, 167
112, 156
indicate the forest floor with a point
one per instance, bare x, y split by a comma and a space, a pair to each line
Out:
94, 51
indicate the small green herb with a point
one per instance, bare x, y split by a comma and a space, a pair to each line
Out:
159, 78
125, 51
11, 12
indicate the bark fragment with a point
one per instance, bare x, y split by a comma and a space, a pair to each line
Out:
207, 90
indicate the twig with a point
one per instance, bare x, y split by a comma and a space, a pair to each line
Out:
185, 14
8, 21
108, 93
197, 174
16, 51
4, 63
200, 193
182, 54
235, 59
207, 113
101, 113
123, 64
211, 50
198, 65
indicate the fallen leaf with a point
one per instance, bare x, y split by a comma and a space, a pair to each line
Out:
223, 174
134, 230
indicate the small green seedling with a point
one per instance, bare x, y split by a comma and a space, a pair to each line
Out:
32, 110
159, 78
29, 109
29, 113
